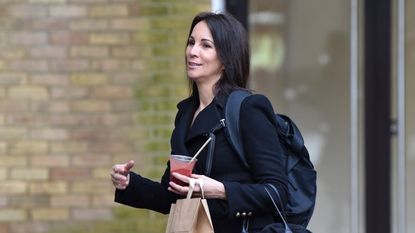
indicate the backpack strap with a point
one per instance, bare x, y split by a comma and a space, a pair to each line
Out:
290, 135
211, 149
290, 132
232, 110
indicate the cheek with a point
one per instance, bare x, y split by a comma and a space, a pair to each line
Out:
212, 58
217, 62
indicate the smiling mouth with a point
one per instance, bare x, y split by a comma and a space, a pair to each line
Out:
193, 64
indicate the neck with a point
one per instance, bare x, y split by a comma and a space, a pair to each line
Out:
205, 87
205, 95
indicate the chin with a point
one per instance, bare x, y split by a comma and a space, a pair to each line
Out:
192, 77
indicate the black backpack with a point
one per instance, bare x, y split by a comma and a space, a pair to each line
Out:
302, 186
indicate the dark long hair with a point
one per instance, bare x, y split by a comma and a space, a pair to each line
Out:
232, 46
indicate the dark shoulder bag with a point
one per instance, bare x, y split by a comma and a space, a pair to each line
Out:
277, 227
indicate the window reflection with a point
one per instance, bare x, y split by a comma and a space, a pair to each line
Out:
300, 61
410, 112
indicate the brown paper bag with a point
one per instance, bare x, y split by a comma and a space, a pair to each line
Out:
190, 215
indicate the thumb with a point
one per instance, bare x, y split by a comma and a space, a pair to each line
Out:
128, 166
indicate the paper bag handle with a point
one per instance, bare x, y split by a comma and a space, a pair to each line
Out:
192, 183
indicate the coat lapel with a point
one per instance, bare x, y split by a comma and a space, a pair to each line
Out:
184, 117
183, 133
204, 122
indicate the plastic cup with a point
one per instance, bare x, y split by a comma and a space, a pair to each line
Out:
182, 165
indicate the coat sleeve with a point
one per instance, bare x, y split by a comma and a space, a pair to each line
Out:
265, 158
148, 194
145, 193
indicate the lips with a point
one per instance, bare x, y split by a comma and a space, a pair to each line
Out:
193, 64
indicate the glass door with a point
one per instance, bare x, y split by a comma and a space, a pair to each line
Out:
307, 61
410, 111
403, 169
301, 59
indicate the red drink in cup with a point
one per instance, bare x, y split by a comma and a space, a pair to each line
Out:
182, 165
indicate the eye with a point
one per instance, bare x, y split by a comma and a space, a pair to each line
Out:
190, 41
207, 45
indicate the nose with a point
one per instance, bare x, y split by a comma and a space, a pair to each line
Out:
193, 50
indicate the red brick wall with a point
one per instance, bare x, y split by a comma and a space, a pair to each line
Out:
84, 84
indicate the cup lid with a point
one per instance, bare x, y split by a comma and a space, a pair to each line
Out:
181, 157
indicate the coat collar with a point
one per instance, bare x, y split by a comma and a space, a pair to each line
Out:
205, 121
203, 124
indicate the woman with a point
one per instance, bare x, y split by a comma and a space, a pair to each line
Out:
217, 62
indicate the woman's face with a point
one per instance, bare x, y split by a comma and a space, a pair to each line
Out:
202, 61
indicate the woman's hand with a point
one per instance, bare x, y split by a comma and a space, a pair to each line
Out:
212, 188
120, 174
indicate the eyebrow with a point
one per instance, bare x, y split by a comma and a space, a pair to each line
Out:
204, 39
208, 40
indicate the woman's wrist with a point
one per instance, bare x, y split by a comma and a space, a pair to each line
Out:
220, 192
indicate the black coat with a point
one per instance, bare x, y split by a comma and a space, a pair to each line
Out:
244, 189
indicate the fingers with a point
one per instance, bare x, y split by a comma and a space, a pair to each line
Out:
119, 178
194, 181
123, 168
196, 176
183, 190
178, 189
206, 187
181, 177
120, 181
120, 175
